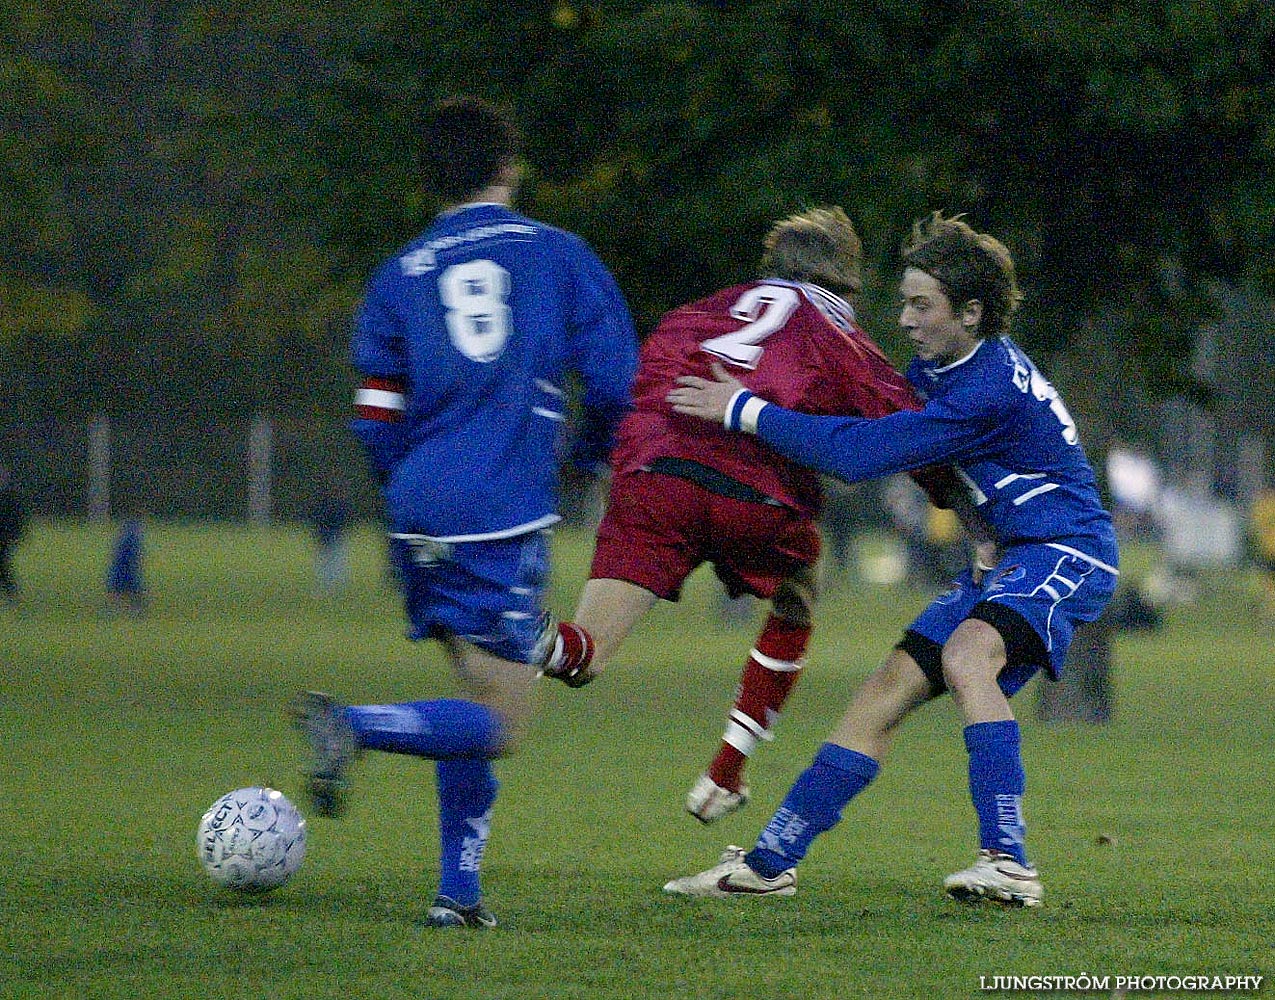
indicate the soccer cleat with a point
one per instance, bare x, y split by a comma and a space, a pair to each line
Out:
997, 878
732, 877
321, 720
446, 912
708, 801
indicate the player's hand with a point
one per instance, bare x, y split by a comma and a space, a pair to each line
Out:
986, 556
702, 397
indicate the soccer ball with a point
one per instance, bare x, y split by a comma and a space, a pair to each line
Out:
251, 840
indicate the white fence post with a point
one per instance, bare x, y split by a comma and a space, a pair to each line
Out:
99, 495
260, 459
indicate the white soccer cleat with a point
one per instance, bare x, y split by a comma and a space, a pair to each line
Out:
708, 801
732, 877
997, 878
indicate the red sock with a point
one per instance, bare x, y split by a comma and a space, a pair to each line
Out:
764, 686
573, 649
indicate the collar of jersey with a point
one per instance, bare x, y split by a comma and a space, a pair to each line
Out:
812, 292
958, 362
470, 205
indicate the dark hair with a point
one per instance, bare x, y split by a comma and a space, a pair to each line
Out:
969, 265
818, 245
465, 141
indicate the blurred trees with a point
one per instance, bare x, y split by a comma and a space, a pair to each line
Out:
194, 191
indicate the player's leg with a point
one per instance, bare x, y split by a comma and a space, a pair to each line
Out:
647, 544
845, 765
770, 551
849, 761
842, 768
436, 730
467, 785
1024, 622
483, 601
462, 736
607, 612
973, 658
482, 728
774, 664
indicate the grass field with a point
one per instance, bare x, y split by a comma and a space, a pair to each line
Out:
119, 733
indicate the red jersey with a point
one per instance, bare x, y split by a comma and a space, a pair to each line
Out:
794, 344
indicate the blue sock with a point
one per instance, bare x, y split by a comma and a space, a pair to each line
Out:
813, 805
466, 792
434, 729
997, 782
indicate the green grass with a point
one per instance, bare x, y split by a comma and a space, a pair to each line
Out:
119, 733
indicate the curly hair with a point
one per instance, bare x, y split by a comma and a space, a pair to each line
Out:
818, 245
969, 265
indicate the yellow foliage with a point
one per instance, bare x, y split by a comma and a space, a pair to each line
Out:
32, 309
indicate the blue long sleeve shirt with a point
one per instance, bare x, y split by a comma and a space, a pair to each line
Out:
474, 325
995, 418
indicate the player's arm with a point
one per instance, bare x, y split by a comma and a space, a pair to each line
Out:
850, 448
983, 540
380, 402
603, 344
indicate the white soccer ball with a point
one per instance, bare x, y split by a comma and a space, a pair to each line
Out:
251, 840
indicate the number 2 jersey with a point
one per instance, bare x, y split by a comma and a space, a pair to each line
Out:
995, 418
796, 344
463, 342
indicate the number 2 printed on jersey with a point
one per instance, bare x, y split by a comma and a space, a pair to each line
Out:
763, 310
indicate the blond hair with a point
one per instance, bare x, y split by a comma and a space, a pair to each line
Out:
820, 246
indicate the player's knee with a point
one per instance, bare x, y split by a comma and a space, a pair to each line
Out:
794, 600
974, 655
901, 679
515, 721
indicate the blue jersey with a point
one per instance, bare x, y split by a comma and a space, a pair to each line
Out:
124, 576
997, 420
464, 340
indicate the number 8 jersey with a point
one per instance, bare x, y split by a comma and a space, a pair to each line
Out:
463, 341
794, 343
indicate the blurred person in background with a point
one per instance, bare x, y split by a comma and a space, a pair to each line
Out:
125, 585
684, 493
464, 341
1133, 480
1261, 540
329, 525
989, 410
13, 524
934, 544
842, 517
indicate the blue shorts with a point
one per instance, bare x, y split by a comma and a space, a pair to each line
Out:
488, 593
1035, 598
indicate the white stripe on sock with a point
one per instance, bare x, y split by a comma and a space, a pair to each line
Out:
779, 666
740, 738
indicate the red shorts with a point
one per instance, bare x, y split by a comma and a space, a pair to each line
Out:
658, 528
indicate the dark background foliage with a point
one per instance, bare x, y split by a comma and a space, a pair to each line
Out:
194, 192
